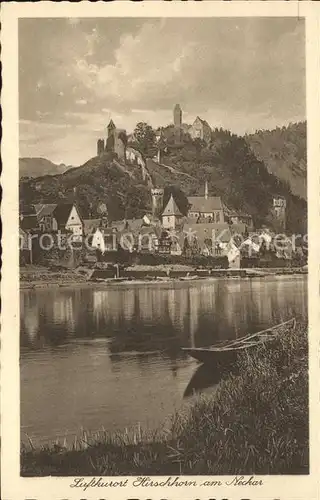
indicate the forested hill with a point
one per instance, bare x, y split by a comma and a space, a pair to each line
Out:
284, 152
229, 164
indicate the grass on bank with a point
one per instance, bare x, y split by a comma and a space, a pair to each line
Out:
255, 423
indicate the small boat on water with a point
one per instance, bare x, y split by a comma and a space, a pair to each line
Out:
226, 351
192, 277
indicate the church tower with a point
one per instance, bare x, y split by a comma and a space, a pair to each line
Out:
177, 122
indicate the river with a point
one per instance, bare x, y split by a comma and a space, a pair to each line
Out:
94, 357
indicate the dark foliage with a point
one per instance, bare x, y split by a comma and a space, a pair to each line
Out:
284, 152
229, 164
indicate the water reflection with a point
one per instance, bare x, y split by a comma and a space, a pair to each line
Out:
112, 356
202, 378
159, 317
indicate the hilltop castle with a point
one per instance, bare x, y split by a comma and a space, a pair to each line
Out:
200, 129
115, 141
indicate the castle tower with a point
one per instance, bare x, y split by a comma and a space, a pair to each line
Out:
100, 147
279, 212
111, 128
157, 201
177, 122
110, 140
177, 116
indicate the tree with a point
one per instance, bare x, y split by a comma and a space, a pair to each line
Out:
145, 137
199, 144
179, 197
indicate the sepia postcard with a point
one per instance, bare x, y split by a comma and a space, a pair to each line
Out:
160, 280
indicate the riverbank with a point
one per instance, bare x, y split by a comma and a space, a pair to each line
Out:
41, 277
255, 423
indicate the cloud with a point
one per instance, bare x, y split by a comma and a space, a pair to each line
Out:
241, 74
81, 102
199, 67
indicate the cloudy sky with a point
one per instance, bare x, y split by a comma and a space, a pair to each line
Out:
75, 74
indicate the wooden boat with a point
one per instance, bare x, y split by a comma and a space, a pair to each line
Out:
227, 350
189, 278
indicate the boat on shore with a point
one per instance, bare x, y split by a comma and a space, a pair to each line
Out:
226, 351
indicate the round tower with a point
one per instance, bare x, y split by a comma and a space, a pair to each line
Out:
157, 201
177, 122
177, 116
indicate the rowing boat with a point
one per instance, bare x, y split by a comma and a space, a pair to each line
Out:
227, 350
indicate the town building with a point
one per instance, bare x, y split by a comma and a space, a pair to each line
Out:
46, 220
206, 208
207, 238
171, 217
200, 129
28, 227
126, 225
147, 239
104, 239
97, 241
90, 226
235, 218
28, 220
63, 216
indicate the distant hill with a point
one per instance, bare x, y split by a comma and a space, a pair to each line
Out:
35, 167
229, 164
284, 152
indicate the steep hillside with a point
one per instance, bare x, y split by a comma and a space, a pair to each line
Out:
35, 167
284, 152
235, 173
229, 165
98, 180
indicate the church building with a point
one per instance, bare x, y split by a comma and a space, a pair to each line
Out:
206, 208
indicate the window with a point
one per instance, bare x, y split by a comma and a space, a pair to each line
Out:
217, 216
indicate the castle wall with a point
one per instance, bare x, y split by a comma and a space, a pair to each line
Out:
201, 131
119, 147
100, 147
